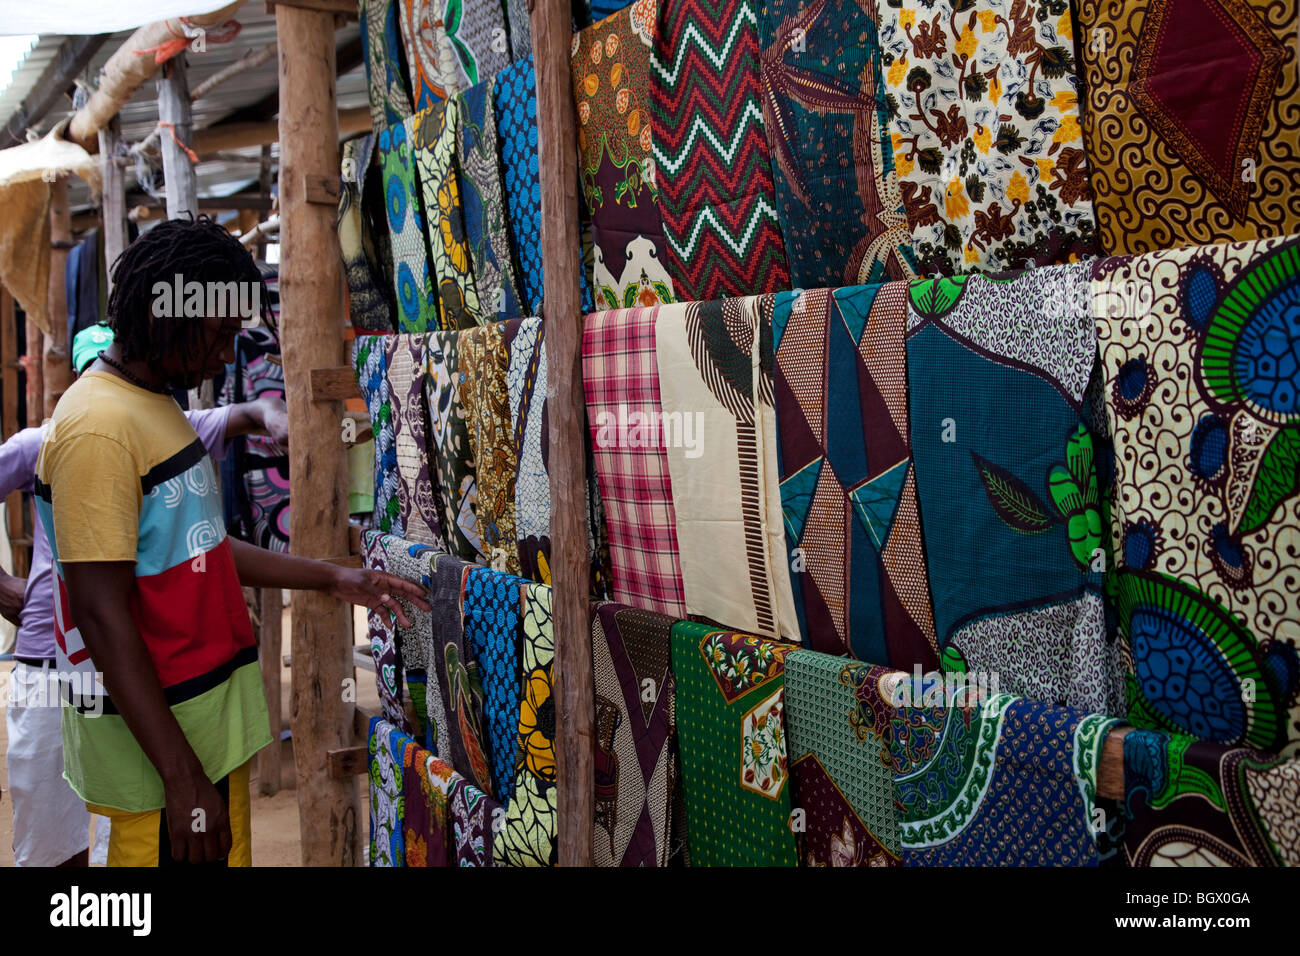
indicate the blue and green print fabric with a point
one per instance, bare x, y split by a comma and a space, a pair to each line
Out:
1008, 484
1000, 782
417, 303
391, 752
372, 375
493, 604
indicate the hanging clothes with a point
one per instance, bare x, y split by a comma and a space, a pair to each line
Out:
610, 68
382, 52
1007, 479
484, 365
1199, 358
392, 752
712, 160
417, 302
526, 390
528, 837
731, 734
384, 646
827, 122
1178, 158
1195, 803
838, 741
483, 200
719, 438
417, 498
369, 305
848, 488
621, 381
370, 362
985, 133
450, 447
636, 768
1002, 782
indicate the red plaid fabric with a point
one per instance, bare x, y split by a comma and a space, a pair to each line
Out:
620, 379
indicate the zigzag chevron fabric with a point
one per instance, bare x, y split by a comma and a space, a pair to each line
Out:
713, 163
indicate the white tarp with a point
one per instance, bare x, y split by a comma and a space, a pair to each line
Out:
72, 17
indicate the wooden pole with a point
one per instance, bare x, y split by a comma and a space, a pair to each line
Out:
58, 363
174, 108
34, 363
9, 411
558, 172
270, 609
113, 204
263, 187
311, 335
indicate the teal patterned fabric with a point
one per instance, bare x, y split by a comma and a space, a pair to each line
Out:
372, 375
417, 303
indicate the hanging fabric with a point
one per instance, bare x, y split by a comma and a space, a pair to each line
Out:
368, 301
731, 734
636, 769
838, 740
1195, 803
526, 388
429, 54
381, 50
417, 303
484, 365
1001, 782
611, 85
1200, 358
847, 483
827, 122
391, 754
1007, 479
417, 499
528, 837
712, 161
985, 132
449, 445
370, 362
718, 432
1193, 112
483, 200
384, 646
621, 380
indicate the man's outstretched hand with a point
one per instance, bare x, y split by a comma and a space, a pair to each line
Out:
377, 590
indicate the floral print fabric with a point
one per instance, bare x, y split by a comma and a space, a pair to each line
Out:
733, 753
370, 362
485, 397
417, 499
381, 49
1199, 350
451, 45
450, 446
391, 753
417, 304
369, 305
985, 132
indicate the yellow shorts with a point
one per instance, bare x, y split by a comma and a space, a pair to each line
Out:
141, 839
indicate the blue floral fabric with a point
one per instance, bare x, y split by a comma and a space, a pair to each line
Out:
492, 629
372, 375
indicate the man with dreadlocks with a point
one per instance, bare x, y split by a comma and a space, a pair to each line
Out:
164, 704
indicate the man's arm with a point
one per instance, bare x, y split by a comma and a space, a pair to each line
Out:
17, 469
99, 594
260, 568
265, 416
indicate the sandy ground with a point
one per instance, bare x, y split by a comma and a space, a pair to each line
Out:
275, 818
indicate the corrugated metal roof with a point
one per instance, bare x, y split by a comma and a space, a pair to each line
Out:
140, 114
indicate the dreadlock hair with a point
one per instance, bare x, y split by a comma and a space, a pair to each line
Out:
197, 249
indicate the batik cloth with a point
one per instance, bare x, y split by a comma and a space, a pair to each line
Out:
417, 646
450, 446
389, 643
493, 607
424, 802
848, 489
391, 751
368, 300
824, 109
452, 45
1007, 479
457, 675
985, 132
526, 389
712, 160
381, 49
719, 438
611, 85
1201, 353
484, 363
1195, 803
837, 720
1192, 114
370, 362
636, 771
483, 203
516, 109
529, 834
417, 498
731, 733
1002, 782
520, 28
621, 381
434, 147
474, 823
417, 303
